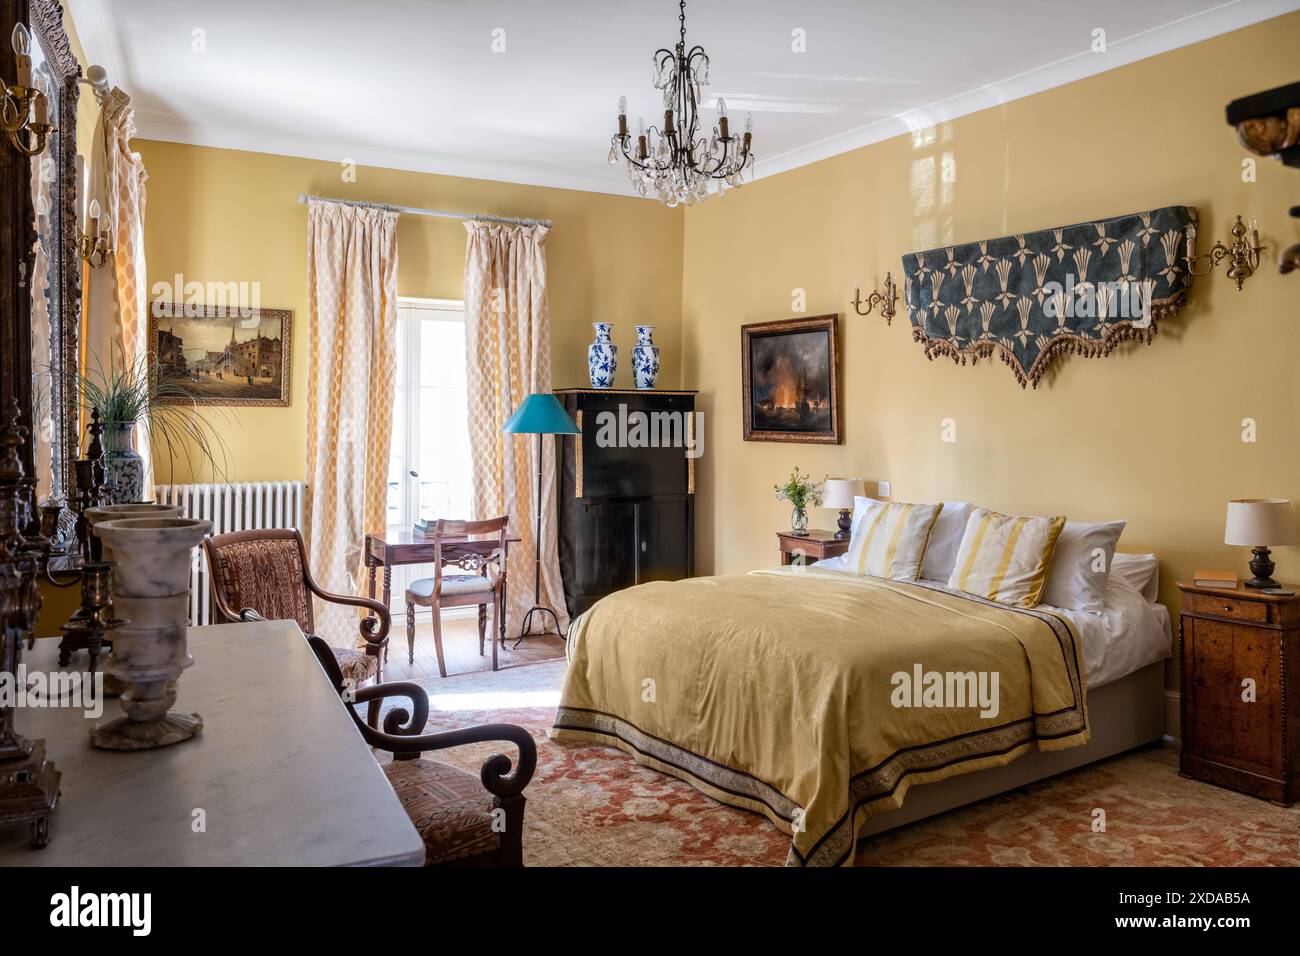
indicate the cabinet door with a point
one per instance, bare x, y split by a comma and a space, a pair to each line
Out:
1257, 724
1224, 726
605, 557
1208, 661
663, 539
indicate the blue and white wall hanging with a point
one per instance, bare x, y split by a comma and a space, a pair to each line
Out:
1031, 297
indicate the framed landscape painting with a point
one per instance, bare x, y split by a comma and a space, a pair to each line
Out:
790, 380
223, 356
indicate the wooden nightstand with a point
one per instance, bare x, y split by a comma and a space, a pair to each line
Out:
816, 545
1225, 637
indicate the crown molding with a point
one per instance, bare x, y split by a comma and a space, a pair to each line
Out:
601, 178
166, 128
1204, 25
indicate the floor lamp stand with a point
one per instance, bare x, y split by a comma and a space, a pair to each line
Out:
538, 608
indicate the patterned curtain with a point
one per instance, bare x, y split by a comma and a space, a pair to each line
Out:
352, 366
116, 297
508, 352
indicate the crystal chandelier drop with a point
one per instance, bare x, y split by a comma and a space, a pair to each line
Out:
676, 162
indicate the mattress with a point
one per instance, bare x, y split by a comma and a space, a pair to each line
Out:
1127, 635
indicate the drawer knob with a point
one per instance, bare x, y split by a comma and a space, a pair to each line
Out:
1227, 608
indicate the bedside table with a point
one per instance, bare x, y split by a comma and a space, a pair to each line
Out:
816, 545
1226, 636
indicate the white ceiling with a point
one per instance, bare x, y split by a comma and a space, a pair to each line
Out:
414, 84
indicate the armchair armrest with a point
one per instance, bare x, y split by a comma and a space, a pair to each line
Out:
495, 772
400, 735
373, 629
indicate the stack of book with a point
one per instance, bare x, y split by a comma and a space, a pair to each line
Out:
1215, 579
424, 527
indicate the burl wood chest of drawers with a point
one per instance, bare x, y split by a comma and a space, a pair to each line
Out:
1239, 652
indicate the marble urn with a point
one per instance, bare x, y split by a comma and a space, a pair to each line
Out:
152, 557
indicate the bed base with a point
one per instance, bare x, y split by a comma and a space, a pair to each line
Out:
1124, 715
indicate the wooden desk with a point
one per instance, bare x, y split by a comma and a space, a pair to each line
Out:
279, 769
406, 547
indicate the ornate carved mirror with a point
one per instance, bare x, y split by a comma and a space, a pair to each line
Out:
55, 260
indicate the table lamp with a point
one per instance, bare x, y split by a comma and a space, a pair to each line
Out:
1256, 523
840, 493
539, 414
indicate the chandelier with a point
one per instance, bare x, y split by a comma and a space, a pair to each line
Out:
676, 162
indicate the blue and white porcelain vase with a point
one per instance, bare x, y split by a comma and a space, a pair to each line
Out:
123, 466
645, 357
602, 357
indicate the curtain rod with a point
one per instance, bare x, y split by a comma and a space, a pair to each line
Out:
438, 213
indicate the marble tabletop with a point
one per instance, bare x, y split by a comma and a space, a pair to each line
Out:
279, 772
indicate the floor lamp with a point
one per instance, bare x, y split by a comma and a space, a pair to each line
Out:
540, 414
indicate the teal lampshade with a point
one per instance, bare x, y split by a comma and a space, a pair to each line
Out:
540, 414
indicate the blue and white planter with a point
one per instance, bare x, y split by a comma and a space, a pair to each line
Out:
602, 357
645, 357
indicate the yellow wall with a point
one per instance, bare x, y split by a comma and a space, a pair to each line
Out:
1150, 434
217, 215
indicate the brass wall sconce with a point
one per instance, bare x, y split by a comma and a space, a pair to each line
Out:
25, 109
93, 243
1243, 256
886, 298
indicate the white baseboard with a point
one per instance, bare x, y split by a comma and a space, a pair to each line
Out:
1173, 717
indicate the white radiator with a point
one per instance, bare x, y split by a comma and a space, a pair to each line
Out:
242, 506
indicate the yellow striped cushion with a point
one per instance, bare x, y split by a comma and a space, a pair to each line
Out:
1005, 557
889, 539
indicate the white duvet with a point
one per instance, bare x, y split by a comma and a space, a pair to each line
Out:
1129, 633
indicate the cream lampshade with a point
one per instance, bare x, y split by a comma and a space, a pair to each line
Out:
1256, 523
839, 493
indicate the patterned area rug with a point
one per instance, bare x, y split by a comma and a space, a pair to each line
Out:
593, 806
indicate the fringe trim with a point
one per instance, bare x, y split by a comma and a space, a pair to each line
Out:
1073, 343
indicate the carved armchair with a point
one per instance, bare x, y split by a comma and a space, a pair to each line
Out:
446, 804
265, 572
479, 586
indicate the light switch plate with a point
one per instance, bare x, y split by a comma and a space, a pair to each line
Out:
882, 489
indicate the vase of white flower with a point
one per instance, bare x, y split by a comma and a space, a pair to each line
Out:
801, 491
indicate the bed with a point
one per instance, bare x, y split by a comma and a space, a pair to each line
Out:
779, 691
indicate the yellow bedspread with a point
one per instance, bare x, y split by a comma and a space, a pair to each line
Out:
784, 692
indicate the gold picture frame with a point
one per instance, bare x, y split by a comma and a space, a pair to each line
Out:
252, 368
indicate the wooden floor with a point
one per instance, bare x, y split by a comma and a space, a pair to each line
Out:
459, 648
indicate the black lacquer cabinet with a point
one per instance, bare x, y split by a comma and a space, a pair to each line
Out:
627, 491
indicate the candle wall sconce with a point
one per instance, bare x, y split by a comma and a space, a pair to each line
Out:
25, 109
886, 298
93, 243
1242, 255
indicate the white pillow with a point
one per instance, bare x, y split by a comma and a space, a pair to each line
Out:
941, 555
1081, 567
1141, 572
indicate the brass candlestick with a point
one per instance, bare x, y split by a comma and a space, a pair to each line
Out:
86, 628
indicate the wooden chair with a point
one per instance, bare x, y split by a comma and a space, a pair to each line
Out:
447, 805
478, 587
265, 572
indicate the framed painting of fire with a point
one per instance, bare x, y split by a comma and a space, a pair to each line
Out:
790, 380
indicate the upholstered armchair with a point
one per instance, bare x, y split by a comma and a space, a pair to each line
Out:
264, 574
448, 805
